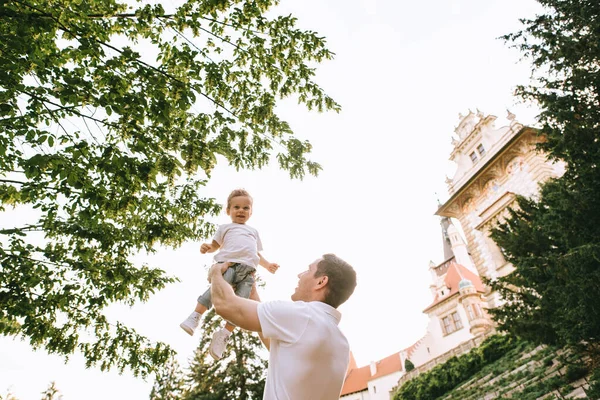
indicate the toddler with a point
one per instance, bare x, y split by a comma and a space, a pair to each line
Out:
239, 245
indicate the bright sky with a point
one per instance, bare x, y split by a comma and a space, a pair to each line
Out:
404, 70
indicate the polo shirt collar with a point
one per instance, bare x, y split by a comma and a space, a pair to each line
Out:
328, 310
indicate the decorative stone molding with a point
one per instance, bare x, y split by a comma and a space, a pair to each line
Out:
491, 215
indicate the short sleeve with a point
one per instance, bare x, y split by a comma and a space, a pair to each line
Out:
259, 246
285, 321
220, 234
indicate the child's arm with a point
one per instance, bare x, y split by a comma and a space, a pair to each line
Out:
271, 267
209, 247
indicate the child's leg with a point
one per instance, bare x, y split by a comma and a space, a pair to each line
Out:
193, 320
200, 308
239, 276
203, 304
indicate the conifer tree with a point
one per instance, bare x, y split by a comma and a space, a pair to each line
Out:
239, 375
553, 240
169, 383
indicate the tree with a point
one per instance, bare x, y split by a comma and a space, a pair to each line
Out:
408, 365
52, 393
111, 121
554, 240
240, 374
169, 383
8, 396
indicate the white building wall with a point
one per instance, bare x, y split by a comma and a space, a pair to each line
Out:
448, 342
422, 353
379, 389
434, 343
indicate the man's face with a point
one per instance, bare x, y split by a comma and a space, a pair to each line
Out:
306, 282
240, 209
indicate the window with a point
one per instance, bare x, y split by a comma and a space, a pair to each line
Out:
477, 310
470, 313
447, 325
374, 389
481, 150
473, 156
457, 321
451, 323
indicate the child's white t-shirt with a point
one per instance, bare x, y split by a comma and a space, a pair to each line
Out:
239, 243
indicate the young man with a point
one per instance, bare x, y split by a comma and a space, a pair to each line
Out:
309, 354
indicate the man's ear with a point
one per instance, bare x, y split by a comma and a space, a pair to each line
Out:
323, 280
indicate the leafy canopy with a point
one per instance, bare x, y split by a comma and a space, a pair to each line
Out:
112, 116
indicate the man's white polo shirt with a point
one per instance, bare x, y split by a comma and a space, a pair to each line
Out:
309, 354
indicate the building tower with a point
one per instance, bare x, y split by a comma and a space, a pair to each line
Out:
494, 165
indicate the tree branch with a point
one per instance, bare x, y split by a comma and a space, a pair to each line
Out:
45, 185
11, 181
71, 109
28, 228
25, 116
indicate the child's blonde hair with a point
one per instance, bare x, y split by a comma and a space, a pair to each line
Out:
237, 193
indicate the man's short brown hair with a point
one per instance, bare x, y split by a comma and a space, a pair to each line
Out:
341, 279
237, 193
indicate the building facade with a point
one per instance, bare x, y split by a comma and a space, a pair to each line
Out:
494, 165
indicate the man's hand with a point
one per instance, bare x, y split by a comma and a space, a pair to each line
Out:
238, 310
218, 266
272, 267
205, 248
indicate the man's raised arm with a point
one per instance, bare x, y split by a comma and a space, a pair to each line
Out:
242, 312
254, 296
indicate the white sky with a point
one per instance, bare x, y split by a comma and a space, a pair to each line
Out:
403, 72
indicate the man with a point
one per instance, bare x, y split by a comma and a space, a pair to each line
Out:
309, 354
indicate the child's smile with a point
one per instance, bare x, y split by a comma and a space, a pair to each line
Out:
240, 209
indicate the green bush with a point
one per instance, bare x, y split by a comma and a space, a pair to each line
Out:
408, 365
575, 371
443, 378
593, 392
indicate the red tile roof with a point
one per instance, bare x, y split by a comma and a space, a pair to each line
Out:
387, 366
357, 379
456, 273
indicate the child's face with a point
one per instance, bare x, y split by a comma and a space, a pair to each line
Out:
240, 209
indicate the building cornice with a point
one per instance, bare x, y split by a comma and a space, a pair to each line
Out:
489, 214
443, 209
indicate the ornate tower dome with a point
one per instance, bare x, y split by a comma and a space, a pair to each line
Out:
464, 283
